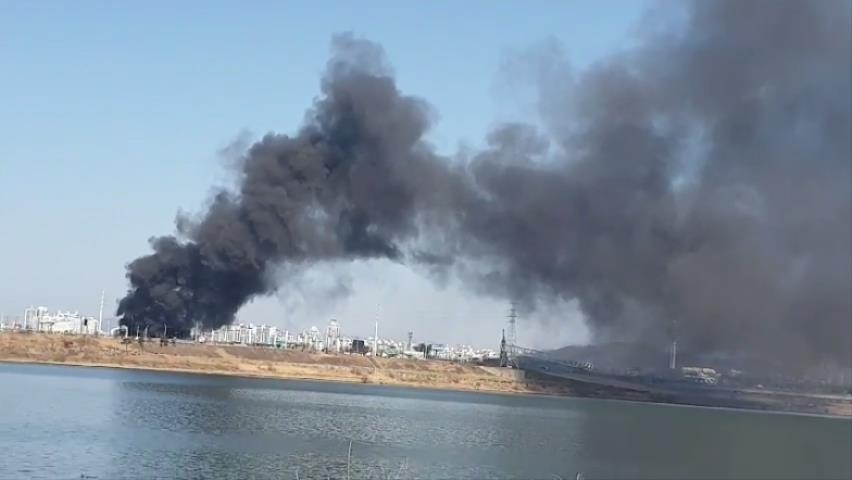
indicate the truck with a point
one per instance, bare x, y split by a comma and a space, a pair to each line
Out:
703, 375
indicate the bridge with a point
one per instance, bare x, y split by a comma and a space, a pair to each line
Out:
546, 363
517, 353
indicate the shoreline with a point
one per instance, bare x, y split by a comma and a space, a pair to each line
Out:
272, 364
223, 373
250, 362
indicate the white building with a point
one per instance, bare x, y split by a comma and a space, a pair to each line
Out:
332, 337
41, 320
10, 322
246, 334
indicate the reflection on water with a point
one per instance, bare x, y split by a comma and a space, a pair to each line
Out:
61, 422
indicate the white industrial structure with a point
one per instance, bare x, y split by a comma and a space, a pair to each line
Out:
247, 334
41, 320
332, 340
10, 322
332, 337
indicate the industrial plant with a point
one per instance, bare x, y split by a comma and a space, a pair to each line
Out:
40, 319
605, 365
333, 340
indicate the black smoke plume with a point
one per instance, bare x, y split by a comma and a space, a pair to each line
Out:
697, 185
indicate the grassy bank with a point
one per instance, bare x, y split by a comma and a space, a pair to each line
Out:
291, 364
254, 362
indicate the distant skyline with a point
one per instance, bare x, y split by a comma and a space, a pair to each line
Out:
119, 111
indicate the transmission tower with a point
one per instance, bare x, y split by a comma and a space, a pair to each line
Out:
504, 355
512, 334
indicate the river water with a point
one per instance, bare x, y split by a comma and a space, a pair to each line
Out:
68, 422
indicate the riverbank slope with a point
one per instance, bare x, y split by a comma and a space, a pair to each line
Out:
270, 363
292, 364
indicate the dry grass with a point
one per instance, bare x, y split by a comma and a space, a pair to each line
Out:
270, 363
248, 361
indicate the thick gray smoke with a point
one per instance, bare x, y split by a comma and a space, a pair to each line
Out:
698, 185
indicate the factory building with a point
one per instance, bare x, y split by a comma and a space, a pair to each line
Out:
332, 337
332, 340
246, 334
41, 320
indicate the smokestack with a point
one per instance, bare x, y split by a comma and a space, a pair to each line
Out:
376, 340
101, 314
673, 355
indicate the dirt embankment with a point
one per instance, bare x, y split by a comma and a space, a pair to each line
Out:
285, 364
252, 361
292, 364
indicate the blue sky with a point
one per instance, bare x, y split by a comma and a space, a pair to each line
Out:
112, 114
